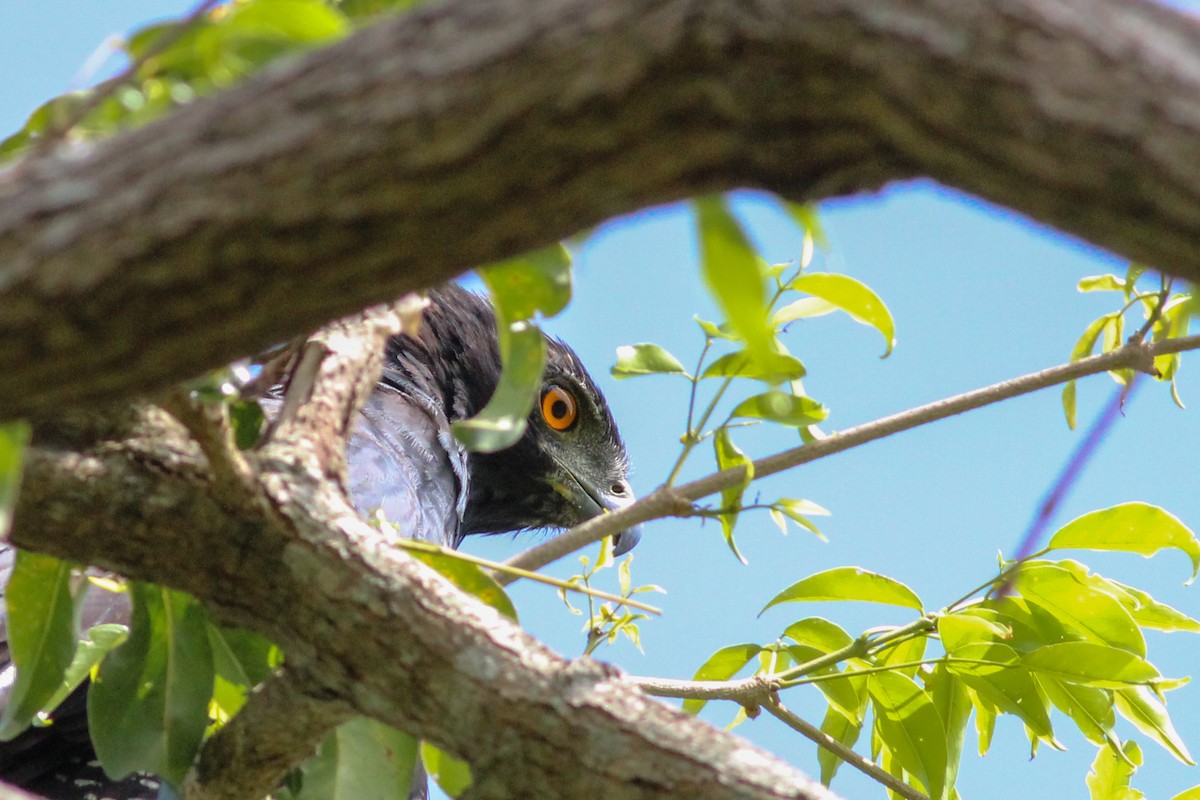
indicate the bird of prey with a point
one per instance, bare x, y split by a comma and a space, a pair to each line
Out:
569, 466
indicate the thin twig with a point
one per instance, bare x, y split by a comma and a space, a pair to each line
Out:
822, 739
665, 500
429, 547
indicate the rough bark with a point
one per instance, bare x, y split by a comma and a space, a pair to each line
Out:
365, 627
466, 132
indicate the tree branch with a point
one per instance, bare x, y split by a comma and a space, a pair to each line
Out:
668, 501
483, 130
280, 726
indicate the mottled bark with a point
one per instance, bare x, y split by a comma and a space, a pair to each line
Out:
466, 132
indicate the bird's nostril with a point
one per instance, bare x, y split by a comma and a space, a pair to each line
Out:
618, 488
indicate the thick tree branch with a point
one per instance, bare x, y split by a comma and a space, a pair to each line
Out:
280, 726
676, 500
365, 627
465, 132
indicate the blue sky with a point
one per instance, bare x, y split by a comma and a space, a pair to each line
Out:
979, 295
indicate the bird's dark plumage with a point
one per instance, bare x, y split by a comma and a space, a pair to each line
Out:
404, 462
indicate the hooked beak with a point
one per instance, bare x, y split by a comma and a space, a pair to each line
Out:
592, 502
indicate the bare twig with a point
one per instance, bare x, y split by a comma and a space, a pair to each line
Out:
664, 501
208, 423
822, 739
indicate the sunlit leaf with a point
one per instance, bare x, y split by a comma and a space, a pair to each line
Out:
1098, 616
1110, 774
1101, 283
841, 730
992, 671
1091, 664
798, 512
807, 218
1130, 527
645, 359
848, 583
1150, 613
909, 725
820, 633
452, 775
1091, 709
774, 368
953, 704
471, 578
855, 298
41, 635
1139, 705
714, 331
148, 706
1083, 348
957, 630
721, 666
1188, 794
733, 275
804, 308
730, 456
781, 407
985, 721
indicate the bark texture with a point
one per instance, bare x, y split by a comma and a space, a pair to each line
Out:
464, 133
271, 543
467, 132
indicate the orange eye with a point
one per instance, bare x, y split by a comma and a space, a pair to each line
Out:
558, 408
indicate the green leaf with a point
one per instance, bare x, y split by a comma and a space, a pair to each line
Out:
957, 630
714, 331
732, 273
471, 578
1110, 774
1139, 705
1090, 664
538, 282
852, 296
148, 706
953, 704
247, 419
807, 218
841, 730
362, 758
241, 660
645, 359
804, 308
721, 666
775, 368
14, 437
41, 635
453, 775
798, 512
818, 633
848, 583
728, 457
1091, 709
1149, 613
1102, 283
783, 408
99, 642
1083, 348
1006, 685
1096, 615
909, 725
985, 721
502, 421
1131, 527
1188, 794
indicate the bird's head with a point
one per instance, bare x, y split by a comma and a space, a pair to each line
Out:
569, 466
